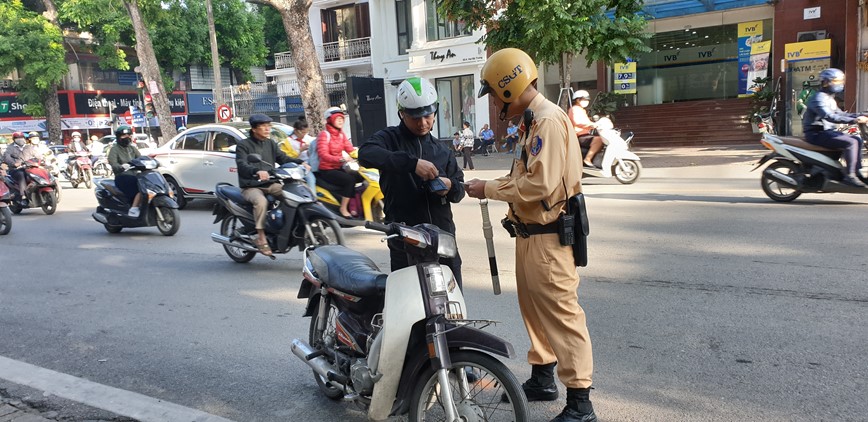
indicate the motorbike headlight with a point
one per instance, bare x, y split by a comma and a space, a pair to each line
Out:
437, 284
446, 246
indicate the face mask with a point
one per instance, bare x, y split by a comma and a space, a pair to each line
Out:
34, 141
20, 142
584, 104
124, 142
836, 88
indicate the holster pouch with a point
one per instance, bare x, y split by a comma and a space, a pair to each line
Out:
510, 228
576, 208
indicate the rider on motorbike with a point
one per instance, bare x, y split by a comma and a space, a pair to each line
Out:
76, 149
582, 124
15, 156
331, 143
820, 121
119, 157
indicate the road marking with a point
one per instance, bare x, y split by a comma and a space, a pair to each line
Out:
115, 400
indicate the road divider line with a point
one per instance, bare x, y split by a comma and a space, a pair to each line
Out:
121, 402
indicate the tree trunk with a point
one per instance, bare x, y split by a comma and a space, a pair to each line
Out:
565, 71
151, 72
51, 103
294, 14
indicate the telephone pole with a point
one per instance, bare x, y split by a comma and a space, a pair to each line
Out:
215, 58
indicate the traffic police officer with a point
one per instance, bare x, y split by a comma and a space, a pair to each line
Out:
544, 174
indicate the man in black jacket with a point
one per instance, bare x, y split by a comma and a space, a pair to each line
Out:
253, 177
418, 174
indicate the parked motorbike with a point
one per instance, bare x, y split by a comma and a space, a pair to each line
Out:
81, 171
5, 200
615, 159
798, 167
401, 342
158, 207
41, 190
295, 219
366, 205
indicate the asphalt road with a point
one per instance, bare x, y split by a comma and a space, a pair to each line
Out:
705, 300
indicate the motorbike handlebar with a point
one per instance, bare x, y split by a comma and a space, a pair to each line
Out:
380, 227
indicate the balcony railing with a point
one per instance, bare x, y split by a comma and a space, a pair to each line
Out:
330, 52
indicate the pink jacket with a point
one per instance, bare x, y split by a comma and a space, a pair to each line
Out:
329, 147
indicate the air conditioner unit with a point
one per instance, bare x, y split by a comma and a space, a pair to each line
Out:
338, 76
5, 83
811, 36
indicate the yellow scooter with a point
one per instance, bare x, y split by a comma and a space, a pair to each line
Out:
366, 205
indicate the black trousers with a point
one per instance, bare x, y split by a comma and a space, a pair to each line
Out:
128, 184
343, 181
468, 157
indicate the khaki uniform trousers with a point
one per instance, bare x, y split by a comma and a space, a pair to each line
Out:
256, 196
546, 281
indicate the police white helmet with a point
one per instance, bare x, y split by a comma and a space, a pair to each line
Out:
76, 134
417, 97
585, 95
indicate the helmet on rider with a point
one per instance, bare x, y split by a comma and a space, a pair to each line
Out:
833, 79
581, 95
417, 97
18, 138
33, 137
76, 135
333, 113
123, 135
506, 74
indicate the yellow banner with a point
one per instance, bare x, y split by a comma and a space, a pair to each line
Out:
819, 49
625, 67
748, 29
625, 78
761, 47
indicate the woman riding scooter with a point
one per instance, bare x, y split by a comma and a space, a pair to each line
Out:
119, 157
330, 145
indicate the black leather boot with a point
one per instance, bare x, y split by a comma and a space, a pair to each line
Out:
541, 385
579, 408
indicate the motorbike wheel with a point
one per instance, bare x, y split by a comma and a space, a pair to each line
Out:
5, 220
627, 172
481, 402
776, 191
102, 169
325, 231
49, 202
87, 175
318, 341
179, 193
73, 182
171, 221
227, 228
113, 229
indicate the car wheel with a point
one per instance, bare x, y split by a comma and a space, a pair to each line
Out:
179, 193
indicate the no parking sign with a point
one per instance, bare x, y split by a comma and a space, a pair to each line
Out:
224, 113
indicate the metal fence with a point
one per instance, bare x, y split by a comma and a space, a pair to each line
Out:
281, 100
329, 52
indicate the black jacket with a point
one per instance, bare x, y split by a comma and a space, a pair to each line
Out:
395, 151
271, 155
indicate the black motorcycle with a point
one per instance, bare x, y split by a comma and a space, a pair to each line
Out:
158, 206
295, 219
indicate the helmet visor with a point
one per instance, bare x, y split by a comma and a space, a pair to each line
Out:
485, 90
421, 111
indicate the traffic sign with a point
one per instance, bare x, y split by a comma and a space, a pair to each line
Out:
224, 113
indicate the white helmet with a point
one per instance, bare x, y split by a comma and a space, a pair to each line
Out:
332, 111
581, 94
74, 134
417, 97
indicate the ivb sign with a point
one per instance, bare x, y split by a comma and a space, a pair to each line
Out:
625, 78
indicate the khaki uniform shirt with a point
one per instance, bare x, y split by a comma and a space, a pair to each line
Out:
553, 162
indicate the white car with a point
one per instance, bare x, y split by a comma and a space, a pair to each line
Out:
199, 158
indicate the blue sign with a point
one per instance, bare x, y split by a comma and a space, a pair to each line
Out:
200, 103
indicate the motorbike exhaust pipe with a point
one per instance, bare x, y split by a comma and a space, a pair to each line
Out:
781, 178
100, 218
226, 241
320, 365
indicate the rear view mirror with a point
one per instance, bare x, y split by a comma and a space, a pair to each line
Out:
254, 158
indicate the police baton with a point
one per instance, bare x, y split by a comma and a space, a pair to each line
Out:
489, 242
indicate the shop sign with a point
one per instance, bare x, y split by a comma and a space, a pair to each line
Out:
200, 103
808, 50
625, 78
749, 33
447, 56
812, 13
88, 103
9, 126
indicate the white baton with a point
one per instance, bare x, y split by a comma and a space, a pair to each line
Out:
489, 242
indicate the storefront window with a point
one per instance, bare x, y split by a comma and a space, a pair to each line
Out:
696, 64
439, 27
404, 25
457, 104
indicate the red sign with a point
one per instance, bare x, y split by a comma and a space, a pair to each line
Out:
224, 113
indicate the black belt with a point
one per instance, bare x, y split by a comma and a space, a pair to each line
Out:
528, 230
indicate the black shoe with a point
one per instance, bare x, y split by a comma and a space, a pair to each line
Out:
571, 415
541, 385
851, 180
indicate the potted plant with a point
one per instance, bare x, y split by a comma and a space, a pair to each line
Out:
763, 94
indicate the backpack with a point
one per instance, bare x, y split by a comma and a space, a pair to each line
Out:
313, 155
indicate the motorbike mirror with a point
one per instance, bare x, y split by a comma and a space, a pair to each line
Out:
254, 158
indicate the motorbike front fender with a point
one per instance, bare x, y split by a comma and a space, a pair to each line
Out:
164, 201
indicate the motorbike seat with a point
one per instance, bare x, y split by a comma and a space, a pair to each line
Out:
801, 143
109, 185
233, 193
348, 271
